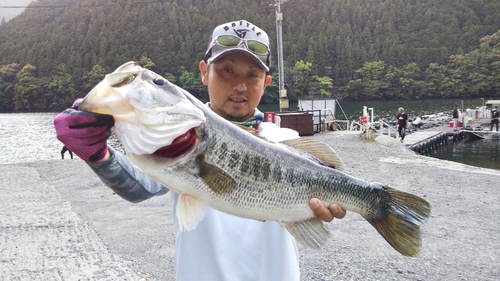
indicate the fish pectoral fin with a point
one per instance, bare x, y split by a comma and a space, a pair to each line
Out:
217, 179
310, 233
325, 154
190, 211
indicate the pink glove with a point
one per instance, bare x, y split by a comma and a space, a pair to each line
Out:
84, 133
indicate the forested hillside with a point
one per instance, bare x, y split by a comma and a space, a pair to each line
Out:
57, 50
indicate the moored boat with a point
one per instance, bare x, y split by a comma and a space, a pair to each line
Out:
482, 134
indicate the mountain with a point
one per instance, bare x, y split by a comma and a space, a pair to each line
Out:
332, 39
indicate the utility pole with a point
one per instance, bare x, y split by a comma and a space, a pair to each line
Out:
283, 95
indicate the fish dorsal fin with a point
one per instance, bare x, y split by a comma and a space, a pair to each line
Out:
190, 211
250, 130
320, 150
310, 233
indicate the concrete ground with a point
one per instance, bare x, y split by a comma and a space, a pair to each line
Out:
59, 222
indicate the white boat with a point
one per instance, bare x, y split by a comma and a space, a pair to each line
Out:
488, 135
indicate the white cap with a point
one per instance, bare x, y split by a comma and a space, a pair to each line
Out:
244, 30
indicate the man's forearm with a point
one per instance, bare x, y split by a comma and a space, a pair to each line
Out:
124, 179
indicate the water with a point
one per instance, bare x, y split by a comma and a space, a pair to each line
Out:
29, 137
480, 153
387, 110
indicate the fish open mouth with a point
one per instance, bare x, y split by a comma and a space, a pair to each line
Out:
180, 145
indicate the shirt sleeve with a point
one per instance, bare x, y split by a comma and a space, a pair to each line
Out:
124, 179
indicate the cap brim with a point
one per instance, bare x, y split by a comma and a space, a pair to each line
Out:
218, 55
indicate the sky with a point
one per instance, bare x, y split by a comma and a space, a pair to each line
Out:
9, 13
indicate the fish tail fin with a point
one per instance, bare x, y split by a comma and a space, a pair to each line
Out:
399, 222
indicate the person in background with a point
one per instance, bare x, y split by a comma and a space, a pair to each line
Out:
64, 149
456, 113
402, 123
494, 118
235, 70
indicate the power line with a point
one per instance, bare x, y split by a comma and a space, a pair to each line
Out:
77, 5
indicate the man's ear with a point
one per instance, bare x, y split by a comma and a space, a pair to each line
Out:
269, 79
204, 72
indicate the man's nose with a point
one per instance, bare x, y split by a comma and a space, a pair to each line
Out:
240, 86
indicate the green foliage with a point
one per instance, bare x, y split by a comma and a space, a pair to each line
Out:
387, 49
320, 86
93, 77
191, 82
8, 81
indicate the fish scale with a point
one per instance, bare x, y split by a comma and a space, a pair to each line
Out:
232, 170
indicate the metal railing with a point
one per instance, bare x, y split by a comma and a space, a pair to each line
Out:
365, 127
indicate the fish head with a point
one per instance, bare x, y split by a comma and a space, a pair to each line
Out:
149, 111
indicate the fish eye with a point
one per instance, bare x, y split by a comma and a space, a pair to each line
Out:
159, 81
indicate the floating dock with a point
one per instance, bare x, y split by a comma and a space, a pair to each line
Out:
425, 141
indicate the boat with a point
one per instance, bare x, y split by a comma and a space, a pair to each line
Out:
488, 135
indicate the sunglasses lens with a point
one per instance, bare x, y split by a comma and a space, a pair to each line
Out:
228, 40
257, 47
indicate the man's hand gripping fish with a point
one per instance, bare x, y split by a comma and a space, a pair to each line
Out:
232, 170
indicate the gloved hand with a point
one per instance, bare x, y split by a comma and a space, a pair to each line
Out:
84, 133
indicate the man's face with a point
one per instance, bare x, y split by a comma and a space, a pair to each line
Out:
235, 84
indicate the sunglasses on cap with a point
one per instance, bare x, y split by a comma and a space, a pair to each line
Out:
253, 46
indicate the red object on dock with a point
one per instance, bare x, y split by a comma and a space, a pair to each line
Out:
452, 123
270, 117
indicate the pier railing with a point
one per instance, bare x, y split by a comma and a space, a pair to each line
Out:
381, 127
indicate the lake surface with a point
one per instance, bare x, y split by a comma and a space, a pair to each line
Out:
387, 110
480, 153
29, 137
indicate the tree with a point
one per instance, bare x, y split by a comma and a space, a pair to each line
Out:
372, 82
61, 90
147, 63
191, 82
27, 91
7, 83
321, 86
297, 79
93, 77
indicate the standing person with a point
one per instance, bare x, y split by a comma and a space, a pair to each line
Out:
402, 121
494, 118
222, 247
456, 113
64, 149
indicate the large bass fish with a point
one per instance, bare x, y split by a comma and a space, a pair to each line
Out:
232, 170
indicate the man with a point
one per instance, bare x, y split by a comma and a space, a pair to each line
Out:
222, 247
494, 118
64, 149
456, 113
402, 121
